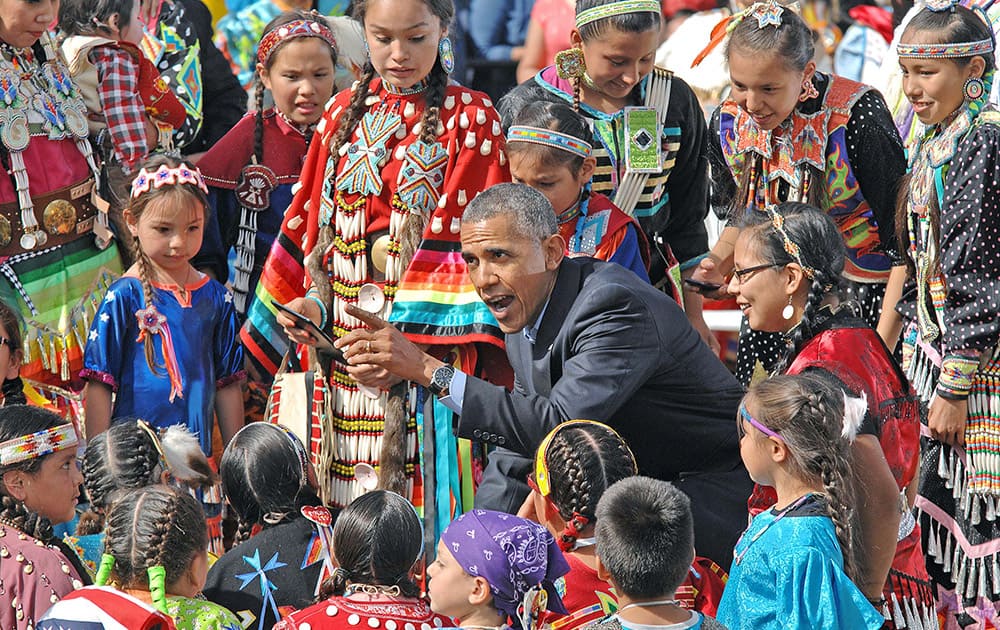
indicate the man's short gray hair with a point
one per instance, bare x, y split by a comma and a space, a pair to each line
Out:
530, 212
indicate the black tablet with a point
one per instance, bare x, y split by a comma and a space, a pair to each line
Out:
323, 342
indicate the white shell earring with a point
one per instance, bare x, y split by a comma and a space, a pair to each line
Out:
789, 310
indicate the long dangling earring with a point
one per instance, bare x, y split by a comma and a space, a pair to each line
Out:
788, 311
570, 63
446, 55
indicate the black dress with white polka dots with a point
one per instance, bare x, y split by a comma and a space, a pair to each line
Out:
956, 520
875, 153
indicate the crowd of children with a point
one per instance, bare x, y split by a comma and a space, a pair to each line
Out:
141, 313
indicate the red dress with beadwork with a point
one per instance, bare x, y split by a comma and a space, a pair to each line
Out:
365, 612
342, 236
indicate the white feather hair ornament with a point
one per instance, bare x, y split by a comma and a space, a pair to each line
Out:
185, 459
854, 414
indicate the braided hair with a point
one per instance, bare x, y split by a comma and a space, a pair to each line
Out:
821, 250
173, 196
807, 412
377, 540
123, 457
17, 421
12, 388
263, 478
584, 459
154, 526
258, 85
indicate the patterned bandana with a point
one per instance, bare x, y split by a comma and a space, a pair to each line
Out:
511, 553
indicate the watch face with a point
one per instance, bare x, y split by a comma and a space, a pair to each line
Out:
442, 378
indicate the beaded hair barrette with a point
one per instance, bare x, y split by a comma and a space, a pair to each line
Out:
549, 138
31, 446
167, 176
791, 248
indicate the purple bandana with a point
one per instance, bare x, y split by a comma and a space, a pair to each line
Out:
511, 553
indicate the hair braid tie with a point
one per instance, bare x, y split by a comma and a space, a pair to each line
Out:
158, 587
105, 569
572, 531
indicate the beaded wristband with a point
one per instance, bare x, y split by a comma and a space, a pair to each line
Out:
957, 371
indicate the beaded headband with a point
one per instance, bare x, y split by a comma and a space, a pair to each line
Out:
791, 248
549, 138
945, 51
758, 424
165, 175
292, 30
541, 466
766, 13
621, 7
38, 444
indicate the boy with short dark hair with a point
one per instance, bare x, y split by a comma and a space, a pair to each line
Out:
645, 545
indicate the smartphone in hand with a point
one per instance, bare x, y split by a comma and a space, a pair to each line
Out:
324, 343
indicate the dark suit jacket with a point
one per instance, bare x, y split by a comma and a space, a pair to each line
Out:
612, 348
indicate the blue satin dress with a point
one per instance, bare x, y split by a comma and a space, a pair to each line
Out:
203, 339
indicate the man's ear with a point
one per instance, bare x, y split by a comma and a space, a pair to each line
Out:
554, 249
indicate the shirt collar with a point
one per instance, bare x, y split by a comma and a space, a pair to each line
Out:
531, 333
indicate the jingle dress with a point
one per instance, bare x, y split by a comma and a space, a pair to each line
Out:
347, 203
847, 134
53, 269
951, 351
277, 571
789, 573
672, 203
352, 612
27, 593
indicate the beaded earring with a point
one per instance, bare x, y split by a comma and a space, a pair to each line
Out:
446, 55
570, 63
808, 91
974, 89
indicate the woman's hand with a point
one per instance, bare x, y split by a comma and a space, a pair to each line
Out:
947, 420
310, 309
708, 271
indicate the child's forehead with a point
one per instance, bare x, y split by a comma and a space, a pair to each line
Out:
172, 208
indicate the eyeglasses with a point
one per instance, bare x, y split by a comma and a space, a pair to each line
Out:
742, 275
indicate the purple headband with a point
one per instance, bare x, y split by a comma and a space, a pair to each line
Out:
511, 553
756, 423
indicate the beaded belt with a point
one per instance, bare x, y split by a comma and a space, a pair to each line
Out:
67, 213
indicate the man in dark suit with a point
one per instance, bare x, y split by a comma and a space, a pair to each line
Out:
588, 340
